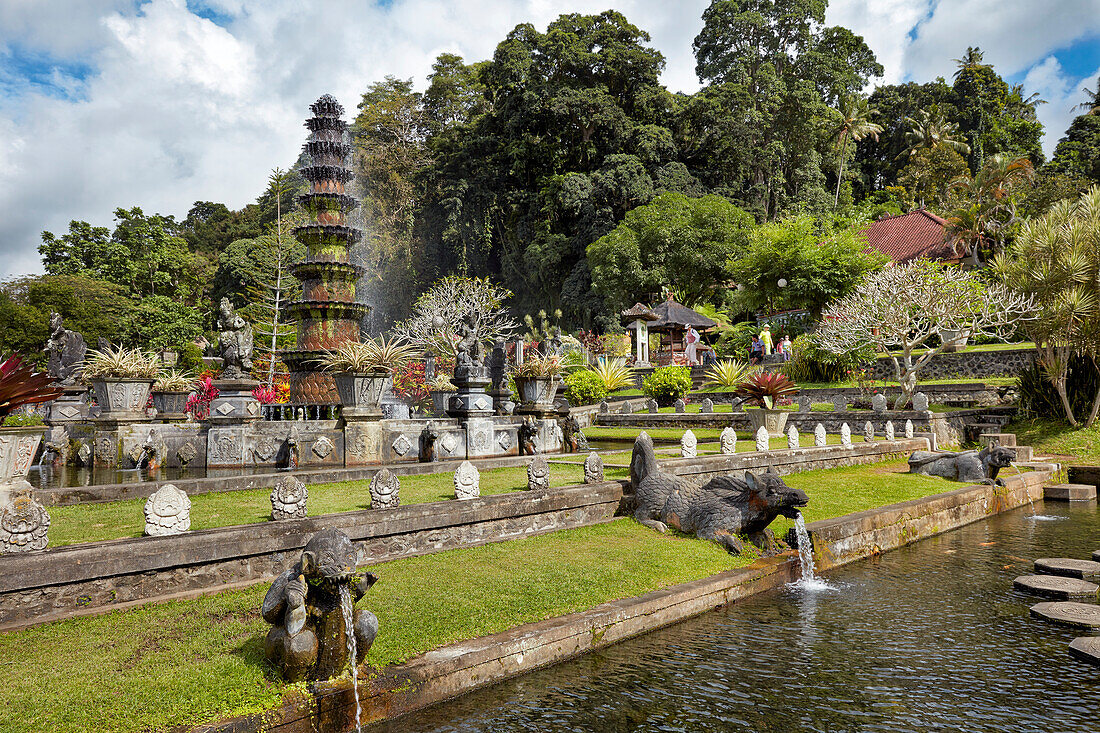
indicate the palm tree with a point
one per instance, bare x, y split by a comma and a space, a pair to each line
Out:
972, 59
1092, 106
855, 124
928, 129
987, 211
1030, 102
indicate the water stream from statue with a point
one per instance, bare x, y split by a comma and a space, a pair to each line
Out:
808, 581
347, 607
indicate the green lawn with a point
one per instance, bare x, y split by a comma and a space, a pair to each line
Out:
187, 662
1074, 446
116, 520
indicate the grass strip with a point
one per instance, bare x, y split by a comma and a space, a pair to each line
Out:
1074, 446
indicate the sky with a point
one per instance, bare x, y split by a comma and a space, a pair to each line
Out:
161, 103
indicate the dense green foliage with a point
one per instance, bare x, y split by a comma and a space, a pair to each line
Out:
584, 387
667, 384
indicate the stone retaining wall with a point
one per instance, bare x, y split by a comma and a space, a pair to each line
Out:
456, 669
98, 576
966, 365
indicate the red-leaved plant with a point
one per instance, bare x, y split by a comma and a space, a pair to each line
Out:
20, 385
766, 389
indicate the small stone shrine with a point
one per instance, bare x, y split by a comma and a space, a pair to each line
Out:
653, 407
24, 524
385, 489
878, 403
678, 406
706, 406
538, 474
467, 481
840, 403
804, 403
288, 498
920, 402
727, 440
845, 436
868, 432
593, 468
626, 408
792, 437
689, 445
167, 511
820, 438
763, 440
889, 431
909, 429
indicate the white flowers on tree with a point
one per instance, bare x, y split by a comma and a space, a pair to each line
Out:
898, 309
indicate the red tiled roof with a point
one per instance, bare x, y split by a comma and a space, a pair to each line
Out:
906, 237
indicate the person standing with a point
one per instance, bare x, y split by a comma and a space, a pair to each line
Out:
766, 339
756, 350
785, 348
692, 341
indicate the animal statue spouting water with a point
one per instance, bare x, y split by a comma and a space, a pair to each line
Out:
572, 438
311, 607
719, 510
973, 466
428, 436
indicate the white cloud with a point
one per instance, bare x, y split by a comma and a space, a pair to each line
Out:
178, 108
1061, 92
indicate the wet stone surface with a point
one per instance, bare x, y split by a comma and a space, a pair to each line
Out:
1086, 649
1068, 567
1055, 586
1069, 613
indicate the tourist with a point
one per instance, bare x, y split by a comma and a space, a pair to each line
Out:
785, 348
766, 339
756, 350
692, 341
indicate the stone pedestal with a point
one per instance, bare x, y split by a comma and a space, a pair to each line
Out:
71, 407
362, 442
234, 404
471, 399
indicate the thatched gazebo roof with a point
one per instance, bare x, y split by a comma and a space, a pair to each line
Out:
672, 316
638, 312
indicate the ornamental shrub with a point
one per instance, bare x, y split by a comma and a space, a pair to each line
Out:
667, 384
584, 388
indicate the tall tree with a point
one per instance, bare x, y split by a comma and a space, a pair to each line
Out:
854, 125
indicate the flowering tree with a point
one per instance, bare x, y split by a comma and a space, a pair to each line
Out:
438, 312
898, 309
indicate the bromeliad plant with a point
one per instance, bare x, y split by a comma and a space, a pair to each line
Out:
120, 363
729, 373
20, 385
370, 356
765, 390
614, 373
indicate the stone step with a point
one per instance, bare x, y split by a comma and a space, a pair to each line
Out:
1084, 475
1086, 649
1055, 586
1024, 453
1096, 555
1067, 567
1008, 440
1069, 492
1068, 613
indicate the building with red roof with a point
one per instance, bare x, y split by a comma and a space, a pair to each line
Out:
906, 237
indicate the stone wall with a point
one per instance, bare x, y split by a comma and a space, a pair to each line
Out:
967, 365
98, 576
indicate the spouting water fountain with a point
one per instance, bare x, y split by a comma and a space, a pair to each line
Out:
328, 314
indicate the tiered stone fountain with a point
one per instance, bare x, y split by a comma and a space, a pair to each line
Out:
328, 314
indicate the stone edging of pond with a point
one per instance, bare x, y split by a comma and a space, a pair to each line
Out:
458, 668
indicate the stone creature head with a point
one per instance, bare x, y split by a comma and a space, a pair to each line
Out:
57, 324
329, 558
994, 458
773, 493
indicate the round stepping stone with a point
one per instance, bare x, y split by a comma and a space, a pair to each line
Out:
1055, 586
1086, 648
1068, 566
1096, 555
1069, 613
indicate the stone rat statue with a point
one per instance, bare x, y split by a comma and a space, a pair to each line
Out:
305, 606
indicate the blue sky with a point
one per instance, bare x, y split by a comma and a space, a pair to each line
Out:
108, 103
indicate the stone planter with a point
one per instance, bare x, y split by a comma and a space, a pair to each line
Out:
122, 399
171, 405
18, 447
440, 398
775, 421
537, 391
361, 393
949, 335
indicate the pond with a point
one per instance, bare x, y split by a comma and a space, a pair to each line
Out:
930, 637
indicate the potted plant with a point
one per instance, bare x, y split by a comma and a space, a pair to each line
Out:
537, 380
170, 393
360, 370
441, 390
121, 379
20, 435
765, 390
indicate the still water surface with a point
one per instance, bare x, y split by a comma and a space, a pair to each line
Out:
931, 637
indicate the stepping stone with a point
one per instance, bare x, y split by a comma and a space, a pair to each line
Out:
1086, 649
1070, 492
1068, 567
1055, 586
1096, 555
1068, 613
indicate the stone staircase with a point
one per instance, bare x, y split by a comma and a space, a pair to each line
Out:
991, 420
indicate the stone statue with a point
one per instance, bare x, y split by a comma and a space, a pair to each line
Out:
538, 474
469, 351
554, 346
66, 351
234, 342
728, 441
820, 439
308, 606
792, 437
168, 511
572, 438
719, 510
428, 437
467, 481
528, 433
288, 499
973, 466
24, 524
593, 468
689, 445
385, 490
